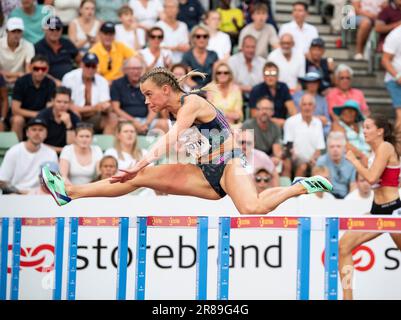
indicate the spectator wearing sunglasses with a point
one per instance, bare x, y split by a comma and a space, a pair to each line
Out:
263, 180
91, 95
61, 52
154, 55
199, 57
32, 93
175, 32
343, 91
277, 91
111, 53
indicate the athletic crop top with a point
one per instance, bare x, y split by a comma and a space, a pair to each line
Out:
389, 177
214, 132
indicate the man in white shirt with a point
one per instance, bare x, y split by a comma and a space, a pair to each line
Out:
302, 32
291, 63
176, 35
90, 94
246, 66
20, 168
15, 52
265, 33
392, 63
303, 135
363, 190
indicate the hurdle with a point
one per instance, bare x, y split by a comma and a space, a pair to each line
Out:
302, 225
333, 226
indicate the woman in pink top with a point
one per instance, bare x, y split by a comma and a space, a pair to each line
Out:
343, 91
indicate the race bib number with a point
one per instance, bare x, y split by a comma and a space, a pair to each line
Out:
194, 143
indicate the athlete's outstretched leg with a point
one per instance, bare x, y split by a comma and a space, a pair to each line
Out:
240, 187
179, 179
348, 242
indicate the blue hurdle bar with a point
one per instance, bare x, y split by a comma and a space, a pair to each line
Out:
201, 258
140, 268
122, 259
304, 229
58, 259
223, 258
16, 257
201, 253
331, 259
3, 258
72, 259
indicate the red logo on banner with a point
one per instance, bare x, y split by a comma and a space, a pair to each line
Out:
363, 258
40, 258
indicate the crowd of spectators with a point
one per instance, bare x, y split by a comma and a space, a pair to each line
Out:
67, 76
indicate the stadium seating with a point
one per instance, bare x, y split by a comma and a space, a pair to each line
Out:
7, 140
104, 141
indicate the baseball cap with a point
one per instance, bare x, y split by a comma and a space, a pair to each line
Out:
317, 42
36, 121
311, 77
15, 24
108, 27
90, 58
54, 23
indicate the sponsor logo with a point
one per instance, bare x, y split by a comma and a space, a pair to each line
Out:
363, 257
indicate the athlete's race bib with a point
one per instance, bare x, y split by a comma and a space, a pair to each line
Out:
194, 143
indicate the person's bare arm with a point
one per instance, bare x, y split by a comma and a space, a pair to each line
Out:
116, 105
387, 59
382, 27
290, 105
3, 102
65, 170
17, 110
373, 173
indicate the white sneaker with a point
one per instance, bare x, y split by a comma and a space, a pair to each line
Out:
359, 56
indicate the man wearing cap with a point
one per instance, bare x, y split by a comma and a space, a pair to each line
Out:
311, 83
61, 121
20, 167
33, 15
15, 53
317, 63
290, 62
60, 52
111, 53
91, 95
32, 93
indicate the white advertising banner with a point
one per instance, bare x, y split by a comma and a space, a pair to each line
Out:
263, 261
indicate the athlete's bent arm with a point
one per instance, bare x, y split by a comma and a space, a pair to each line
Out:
374, 172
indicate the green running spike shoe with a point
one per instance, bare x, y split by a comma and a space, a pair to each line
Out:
55, 185
317, 184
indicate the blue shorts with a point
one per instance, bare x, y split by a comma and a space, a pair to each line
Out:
394, 89
359, 19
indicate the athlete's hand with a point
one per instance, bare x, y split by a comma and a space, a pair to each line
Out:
125, 175
350, 156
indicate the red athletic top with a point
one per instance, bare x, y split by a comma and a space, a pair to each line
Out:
389, 178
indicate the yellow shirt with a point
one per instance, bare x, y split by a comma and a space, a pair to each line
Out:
226, 24
118, 54
232, 103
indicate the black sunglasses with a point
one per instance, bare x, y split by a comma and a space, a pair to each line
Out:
154, 36
259, 179
204, 36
